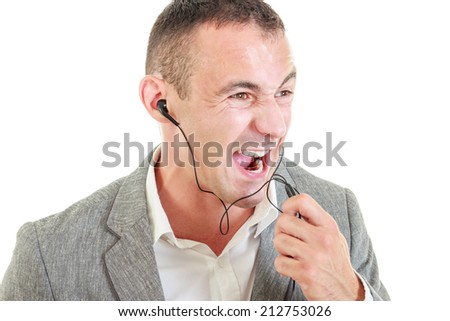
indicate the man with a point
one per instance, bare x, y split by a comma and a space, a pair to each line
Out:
183, 228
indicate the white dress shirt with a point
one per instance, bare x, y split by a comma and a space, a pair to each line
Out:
190, 270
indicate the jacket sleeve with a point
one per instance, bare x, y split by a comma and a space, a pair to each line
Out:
26, 278
361, 250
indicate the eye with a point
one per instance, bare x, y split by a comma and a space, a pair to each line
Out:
241, 100
284, 97
240, 96
284, 93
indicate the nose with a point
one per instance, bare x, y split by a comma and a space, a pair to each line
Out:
270, 120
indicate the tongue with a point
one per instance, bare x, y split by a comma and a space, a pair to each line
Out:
243, 160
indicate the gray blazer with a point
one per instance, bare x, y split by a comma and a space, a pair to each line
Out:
100, 248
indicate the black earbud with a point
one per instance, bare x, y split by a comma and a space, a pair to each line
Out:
162, 107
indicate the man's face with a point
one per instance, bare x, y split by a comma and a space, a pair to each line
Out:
240, 96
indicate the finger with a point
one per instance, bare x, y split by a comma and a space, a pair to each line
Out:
287, 245
286, 265
308, 208
288, 224
300, 271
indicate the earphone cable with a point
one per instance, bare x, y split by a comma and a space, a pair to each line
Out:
225, 215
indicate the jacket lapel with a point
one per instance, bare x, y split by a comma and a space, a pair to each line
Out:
132, 267
130, 262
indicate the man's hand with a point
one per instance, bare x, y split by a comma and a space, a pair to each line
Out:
314, 253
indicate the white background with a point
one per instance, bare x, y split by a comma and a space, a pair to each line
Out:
375, 73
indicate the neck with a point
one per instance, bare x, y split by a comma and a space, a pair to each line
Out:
193, 214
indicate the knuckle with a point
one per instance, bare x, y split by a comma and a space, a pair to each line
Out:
327, 242
280, 241
309, 273
284, 222
280, 265
277, 242
280, 220
332, 225
303, 197
296, 201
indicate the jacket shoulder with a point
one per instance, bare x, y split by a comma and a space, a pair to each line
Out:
61, 256
94, 207
320, 189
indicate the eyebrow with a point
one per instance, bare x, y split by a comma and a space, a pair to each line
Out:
252, 86
293, 74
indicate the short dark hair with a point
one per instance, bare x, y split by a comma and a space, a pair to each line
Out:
169, 46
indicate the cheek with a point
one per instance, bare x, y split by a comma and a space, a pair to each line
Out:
228, 127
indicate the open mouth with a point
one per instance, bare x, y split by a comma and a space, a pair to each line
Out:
254, 162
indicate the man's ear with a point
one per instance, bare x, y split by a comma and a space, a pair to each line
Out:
152, 89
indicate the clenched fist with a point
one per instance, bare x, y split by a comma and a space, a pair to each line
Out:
314, 253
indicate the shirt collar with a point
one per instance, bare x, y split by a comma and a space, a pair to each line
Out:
161, 225
262, 217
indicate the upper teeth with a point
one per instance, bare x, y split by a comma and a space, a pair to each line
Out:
254, 154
